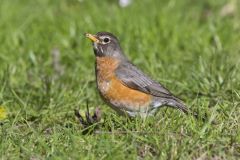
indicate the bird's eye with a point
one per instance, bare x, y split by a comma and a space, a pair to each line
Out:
106, 40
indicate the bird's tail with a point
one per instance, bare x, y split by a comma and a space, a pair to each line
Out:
178, 104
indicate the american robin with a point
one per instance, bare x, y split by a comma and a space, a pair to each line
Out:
122, 85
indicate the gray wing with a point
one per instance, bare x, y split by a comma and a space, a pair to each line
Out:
134, 78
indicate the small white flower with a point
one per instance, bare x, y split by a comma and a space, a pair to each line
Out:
124, 3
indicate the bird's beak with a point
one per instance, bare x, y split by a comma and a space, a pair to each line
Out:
92, 37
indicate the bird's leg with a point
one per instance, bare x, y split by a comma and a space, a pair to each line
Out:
89, 119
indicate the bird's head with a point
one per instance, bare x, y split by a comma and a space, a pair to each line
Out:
105, 44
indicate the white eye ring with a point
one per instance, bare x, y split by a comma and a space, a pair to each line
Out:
105, 40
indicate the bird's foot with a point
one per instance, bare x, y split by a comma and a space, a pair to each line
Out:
89, 120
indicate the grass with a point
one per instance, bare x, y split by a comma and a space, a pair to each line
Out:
191, 46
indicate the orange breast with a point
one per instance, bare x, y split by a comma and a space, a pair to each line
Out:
114, 91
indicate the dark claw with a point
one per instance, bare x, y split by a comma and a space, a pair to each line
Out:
97, 115
90, 119
80, 118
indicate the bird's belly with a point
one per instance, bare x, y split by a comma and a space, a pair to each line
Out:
123, 98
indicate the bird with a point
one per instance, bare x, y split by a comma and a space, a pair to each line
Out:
122, 85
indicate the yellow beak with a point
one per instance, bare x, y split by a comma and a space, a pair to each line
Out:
92, 37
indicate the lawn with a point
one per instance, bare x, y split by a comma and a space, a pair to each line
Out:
47, 71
